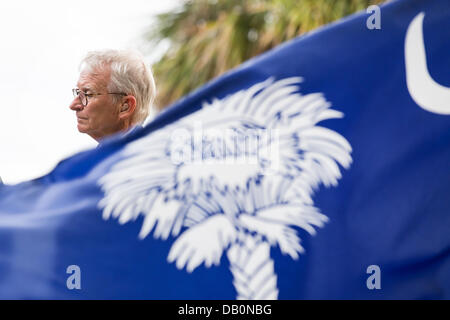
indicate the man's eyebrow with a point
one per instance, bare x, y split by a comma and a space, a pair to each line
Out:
85, 88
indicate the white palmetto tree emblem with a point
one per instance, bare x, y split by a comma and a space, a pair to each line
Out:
235, 176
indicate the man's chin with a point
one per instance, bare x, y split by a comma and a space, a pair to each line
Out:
81, 128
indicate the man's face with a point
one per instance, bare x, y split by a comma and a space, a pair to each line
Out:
100, 117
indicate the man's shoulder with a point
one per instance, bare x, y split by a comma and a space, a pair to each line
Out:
123, 134
134, 129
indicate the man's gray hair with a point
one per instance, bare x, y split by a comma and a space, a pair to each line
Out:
129, 74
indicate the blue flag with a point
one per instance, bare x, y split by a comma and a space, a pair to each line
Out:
319, 170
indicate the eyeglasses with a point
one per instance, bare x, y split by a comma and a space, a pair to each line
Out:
84, 96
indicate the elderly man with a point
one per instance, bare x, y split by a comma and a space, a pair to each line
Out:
114, 93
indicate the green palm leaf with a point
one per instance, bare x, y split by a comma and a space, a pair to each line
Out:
209, 37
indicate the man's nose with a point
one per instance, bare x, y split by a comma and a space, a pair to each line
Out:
76, 104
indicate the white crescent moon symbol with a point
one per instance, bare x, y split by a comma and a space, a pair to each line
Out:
426, 92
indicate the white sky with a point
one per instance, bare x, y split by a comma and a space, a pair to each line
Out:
41, 45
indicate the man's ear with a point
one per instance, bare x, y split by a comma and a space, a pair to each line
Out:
127, 107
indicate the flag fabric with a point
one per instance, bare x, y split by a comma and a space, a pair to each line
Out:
318, 170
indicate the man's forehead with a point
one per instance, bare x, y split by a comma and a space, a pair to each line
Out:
93, 79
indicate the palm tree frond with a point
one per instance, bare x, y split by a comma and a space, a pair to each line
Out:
207, 38
275, 233
203, 243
